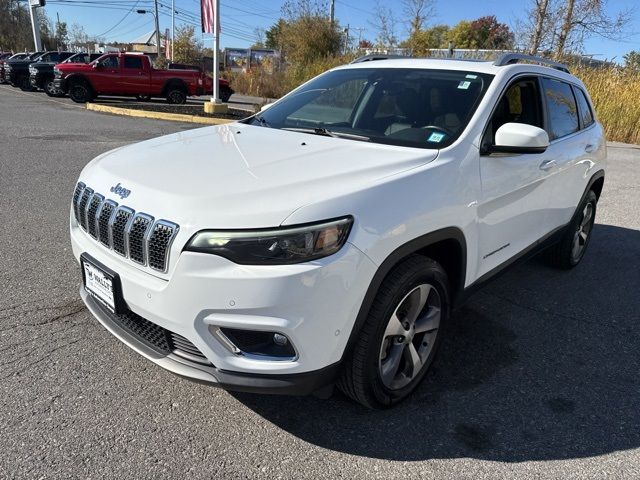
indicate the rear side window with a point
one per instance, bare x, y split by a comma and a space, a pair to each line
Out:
562, 108
586, 115
133, 62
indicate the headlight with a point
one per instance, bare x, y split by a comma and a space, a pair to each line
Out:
32, 70
278, 246
57, 72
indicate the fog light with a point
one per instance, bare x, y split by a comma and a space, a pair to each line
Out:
280, 339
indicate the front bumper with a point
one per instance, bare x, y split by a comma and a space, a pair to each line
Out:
37, 80
60, 84
313, 304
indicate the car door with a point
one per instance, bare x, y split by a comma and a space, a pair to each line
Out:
134, 79
574, 140
105, 75
515, 188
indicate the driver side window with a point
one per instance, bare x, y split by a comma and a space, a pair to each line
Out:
519, 104
109, 62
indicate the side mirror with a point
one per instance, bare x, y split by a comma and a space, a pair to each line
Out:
265, 106
520, 138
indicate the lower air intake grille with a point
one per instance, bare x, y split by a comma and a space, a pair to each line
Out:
154, 336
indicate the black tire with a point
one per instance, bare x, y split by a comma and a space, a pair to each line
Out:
176, 96
50, 89
225, 94
564, 255
361, 377
24, 83
80, 91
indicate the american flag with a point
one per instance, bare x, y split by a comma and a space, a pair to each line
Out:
207, 8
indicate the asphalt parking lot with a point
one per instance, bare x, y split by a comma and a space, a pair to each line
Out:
538, 377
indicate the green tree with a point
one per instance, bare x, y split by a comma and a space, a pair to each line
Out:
186, 47
421, 41
482, 33
632, 60
62, 36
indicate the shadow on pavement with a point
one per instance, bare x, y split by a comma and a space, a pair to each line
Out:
540, 365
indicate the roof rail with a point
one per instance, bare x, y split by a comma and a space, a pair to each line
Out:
511, 58
381, 56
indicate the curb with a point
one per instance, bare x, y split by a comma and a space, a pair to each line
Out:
174, 117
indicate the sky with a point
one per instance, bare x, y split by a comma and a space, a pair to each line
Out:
118, 19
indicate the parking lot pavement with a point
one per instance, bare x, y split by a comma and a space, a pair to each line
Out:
538, 377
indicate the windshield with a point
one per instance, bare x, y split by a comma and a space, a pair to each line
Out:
408, 107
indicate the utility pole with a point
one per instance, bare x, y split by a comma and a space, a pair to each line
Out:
332, 11
173, 25
157, 30
35, 24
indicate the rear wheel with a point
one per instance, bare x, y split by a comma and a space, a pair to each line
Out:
80, 92
176, 96
568, 252
225, 94
399, 339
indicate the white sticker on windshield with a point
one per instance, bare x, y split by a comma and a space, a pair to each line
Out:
463, 85
472, 77
436, 137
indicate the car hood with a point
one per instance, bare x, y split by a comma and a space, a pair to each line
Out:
243, 176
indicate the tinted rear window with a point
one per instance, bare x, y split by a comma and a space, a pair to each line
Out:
133, 62
586, 115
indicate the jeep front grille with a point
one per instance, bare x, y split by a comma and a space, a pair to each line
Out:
136, 236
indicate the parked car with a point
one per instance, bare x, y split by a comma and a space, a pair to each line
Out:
327, 238
128, 75
17, 70
3, 75
3, 58
41, 72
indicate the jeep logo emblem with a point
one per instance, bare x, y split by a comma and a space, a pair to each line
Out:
120, 191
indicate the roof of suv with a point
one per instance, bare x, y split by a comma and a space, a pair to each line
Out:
480, 66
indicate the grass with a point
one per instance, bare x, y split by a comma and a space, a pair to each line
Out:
615, 92
616, 96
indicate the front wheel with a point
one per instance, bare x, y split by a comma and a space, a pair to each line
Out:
80, 92
225, 94
50, 89
568, 252
401, 334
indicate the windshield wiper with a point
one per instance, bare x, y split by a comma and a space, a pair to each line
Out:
327, 133
262, 121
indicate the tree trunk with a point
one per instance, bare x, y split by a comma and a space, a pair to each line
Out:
541, 15
567, 25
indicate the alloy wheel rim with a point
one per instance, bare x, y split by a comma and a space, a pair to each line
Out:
581, 235
50, 88
410, 336
79, 91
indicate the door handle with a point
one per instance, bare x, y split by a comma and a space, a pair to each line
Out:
590, 148
547, 165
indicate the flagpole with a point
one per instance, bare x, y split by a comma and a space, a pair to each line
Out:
216, 47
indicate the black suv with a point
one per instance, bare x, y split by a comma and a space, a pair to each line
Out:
41, 72
16, 71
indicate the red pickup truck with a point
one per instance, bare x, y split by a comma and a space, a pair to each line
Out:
128, 74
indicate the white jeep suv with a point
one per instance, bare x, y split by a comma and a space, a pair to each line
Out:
326, 239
